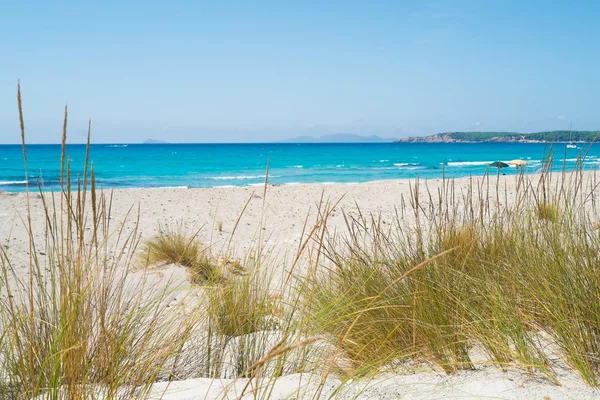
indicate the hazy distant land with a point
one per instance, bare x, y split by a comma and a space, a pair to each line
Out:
446, 137
338, 138
505, 137
153, 141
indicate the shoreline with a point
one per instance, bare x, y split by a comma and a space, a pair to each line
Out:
35, 189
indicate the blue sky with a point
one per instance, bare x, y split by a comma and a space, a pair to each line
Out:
225, 71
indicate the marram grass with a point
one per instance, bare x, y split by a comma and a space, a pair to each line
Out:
174, 245
73, 325
511, 284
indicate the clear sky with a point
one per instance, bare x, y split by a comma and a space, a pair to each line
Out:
238, 71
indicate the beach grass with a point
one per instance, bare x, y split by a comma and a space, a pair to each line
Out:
74, 323
175, 245
493, 279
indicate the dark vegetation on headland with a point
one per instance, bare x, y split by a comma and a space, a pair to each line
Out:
490, 137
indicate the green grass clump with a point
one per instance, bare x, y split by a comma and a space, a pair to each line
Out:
486, 277
241, 307
177, 246
547, 212
172, 246
247, 318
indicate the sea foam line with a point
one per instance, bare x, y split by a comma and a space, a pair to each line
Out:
225, 178
13, 182
468, 163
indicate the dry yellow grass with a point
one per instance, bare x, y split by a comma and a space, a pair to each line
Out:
174, 245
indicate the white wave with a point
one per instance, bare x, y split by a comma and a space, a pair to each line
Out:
227, 178
256, 184
406, 164
383, 160
12, 182
468, 163
117, 145
298, 166
340, 166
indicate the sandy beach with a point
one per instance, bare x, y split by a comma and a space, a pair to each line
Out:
275, 220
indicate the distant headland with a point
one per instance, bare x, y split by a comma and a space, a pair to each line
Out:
505, 137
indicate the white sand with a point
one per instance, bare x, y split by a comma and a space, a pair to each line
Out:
277, 221
487, 383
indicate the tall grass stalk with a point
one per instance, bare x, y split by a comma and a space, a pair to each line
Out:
74, 324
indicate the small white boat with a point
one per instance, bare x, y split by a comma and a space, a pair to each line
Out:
571, 146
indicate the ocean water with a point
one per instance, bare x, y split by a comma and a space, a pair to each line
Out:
213, 165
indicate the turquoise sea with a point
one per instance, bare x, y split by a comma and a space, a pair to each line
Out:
212, 165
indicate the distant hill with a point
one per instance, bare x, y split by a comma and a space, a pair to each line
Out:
503, 137
338, 138
153, 141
